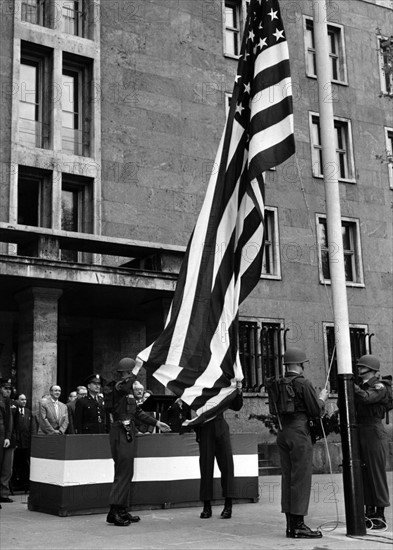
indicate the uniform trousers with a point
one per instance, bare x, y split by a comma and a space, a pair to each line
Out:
295, 448
6, 471
215, 442
123, 454
21, 469
372, 438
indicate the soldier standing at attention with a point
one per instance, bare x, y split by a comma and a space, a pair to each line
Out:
371, 398
295, 447
90, 414
121, 404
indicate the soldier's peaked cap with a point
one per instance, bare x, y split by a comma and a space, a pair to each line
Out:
94, 378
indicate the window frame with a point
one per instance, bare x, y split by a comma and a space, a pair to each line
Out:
389, 153
41, 58
79, 21
334, 30
355, 253
327, 356
40, 11
316, 148
82, 70
259, 376
274, 246
239, 8
84, 189
44, 202
386, 82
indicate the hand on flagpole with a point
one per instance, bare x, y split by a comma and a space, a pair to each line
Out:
163, 427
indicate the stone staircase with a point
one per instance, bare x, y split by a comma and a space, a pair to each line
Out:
266, 466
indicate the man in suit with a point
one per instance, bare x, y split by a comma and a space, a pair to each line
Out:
23, 428
52, 414
81, 391
90, 413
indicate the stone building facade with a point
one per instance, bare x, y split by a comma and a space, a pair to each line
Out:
112, 111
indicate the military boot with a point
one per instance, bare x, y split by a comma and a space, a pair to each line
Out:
299, 530
115, 516
207, 510
378, 519
227, 512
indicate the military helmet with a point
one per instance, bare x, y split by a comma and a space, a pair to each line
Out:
369, 361
126, 364
294, 355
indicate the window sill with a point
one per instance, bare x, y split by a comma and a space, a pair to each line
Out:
271, 277
341, 180
231, 56
338, 82
347, 283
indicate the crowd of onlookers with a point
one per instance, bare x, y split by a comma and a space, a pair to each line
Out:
84, 413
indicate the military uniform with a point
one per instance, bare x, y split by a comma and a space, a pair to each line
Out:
90, 415
215, 442
121, 404
295, 447
370, 399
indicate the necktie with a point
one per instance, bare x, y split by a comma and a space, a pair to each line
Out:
21, 411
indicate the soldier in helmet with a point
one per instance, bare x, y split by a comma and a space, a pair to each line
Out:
295, 446
371, 398
121, 404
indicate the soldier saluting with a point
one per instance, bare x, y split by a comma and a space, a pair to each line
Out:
123, 409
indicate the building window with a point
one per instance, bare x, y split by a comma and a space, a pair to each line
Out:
385, 64
34, 97
34, 197
352, 252
76, 209
336, 52
76, 109
73, 18
344, 169
232, 27
260, 349
360, 345
389, 154
271, 266
34, 201
33, 11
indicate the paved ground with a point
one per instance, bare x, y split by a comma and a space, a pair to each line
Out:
253, 526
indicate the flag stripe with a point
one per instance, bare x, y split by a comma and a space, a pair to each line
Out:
197, 356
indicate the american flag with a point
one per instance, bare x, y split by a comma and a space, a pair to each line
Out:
196, 356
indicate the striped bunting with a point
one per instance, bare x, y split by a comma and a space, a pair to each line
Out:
196, 356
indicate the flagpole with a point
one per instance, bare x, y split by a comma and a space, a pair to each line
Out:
352, 474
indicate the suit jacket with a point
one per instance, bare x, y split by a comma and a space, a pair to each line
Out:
48, 420
23, 425
71, 413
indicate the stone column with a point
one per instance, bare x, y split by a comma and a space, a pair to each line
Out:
37, 341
